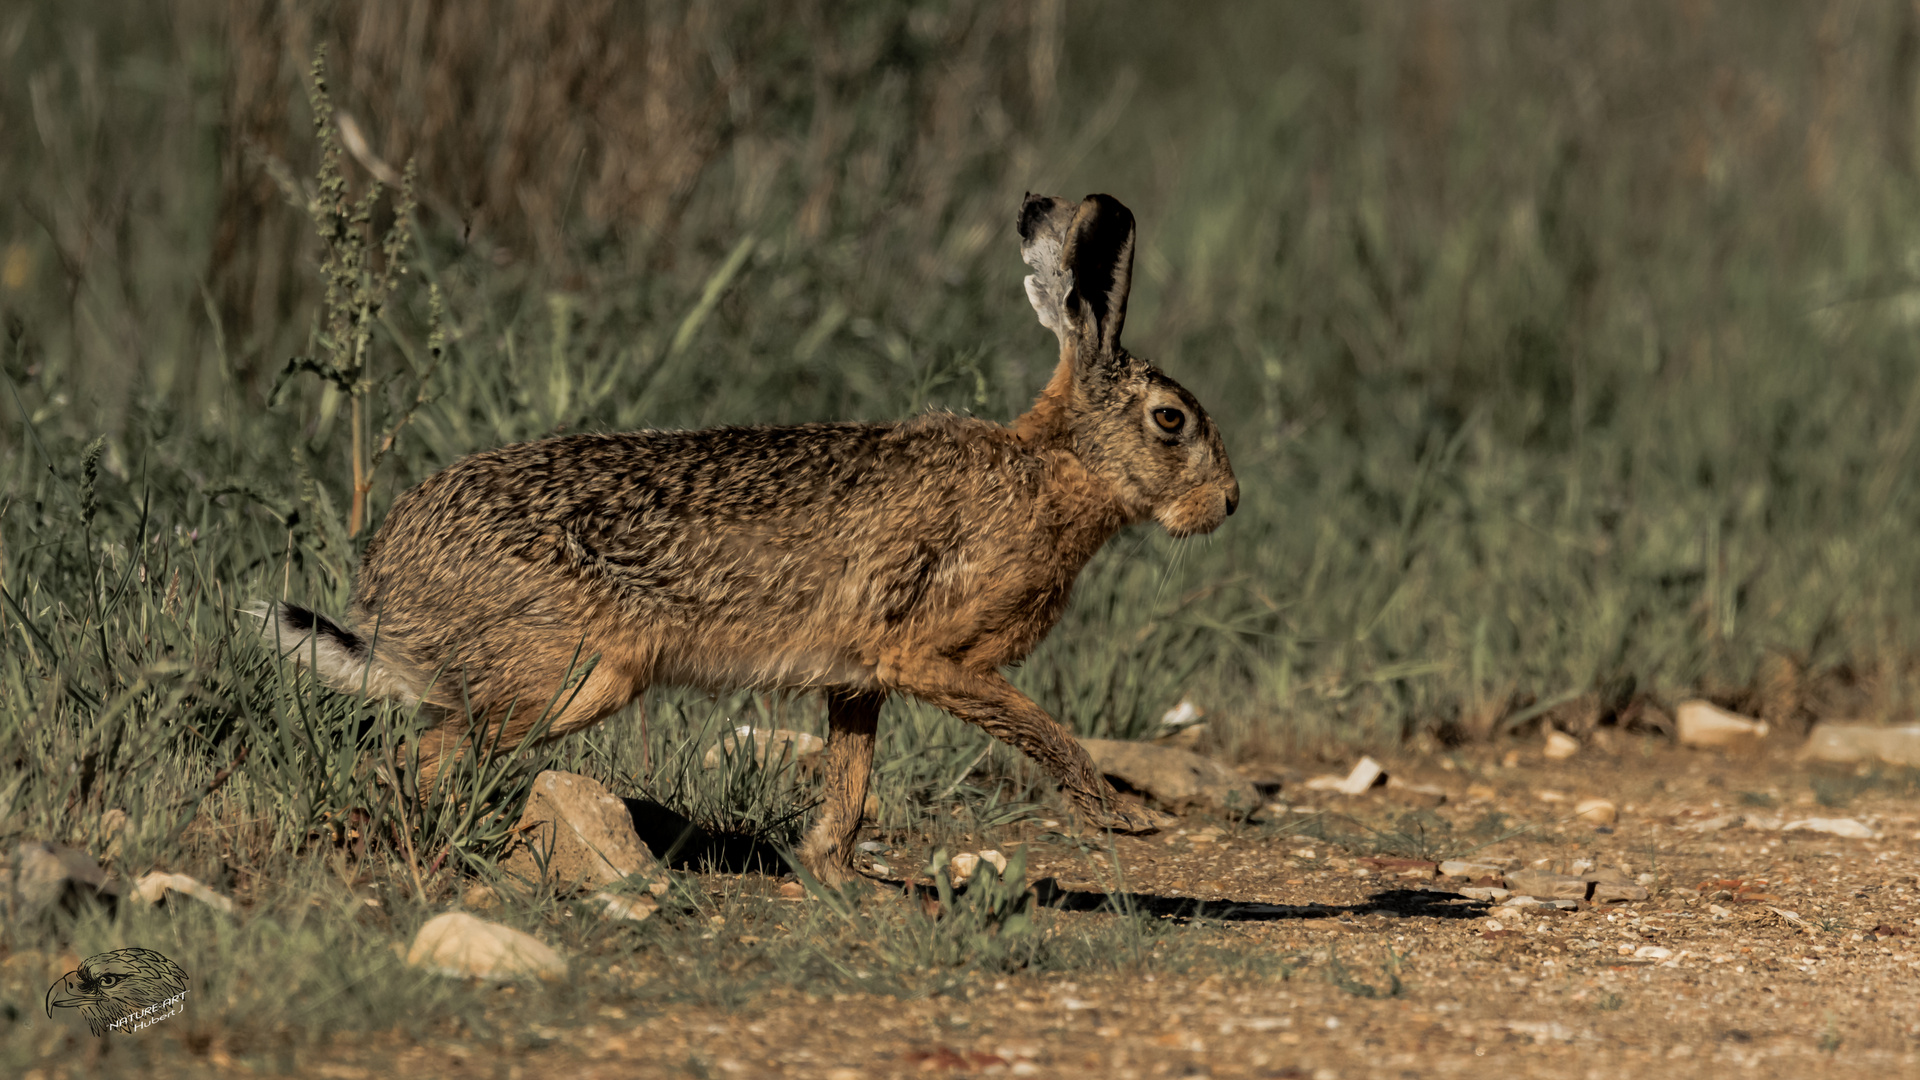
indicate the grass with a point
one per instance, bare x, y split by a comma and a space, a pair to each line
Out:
1565, 358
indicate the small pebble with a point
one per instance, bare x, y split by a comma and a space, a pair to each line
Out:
1561, 746
1596, 811
960, 869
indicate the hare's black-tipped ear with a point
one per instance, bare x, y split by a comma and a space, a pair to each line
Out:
1044, 221
1098, 256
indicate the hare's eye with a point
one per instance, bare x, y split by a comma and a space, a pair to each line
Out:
1169, 419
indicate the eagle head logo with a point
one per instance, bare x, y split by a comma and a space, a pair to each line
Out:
112, 986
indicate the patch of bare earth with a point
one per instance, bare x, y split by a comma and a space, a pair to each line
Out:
1760, 952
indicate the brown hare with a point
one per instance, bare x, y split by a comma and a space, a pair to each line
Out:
860, 560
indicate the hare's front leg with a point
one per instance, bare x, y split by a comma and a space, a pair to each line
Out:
852, 721
987, 699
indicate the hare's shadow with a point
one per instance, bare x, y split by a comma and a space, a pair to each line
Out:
1406, 903
683, 844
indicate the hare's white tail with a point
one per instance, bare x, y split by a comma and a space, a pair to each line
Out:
339, 657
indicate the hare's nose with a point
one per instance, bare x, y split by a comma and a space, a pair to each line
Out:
1233, 500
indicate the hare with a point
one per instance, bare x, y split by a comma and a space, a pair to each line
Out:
857, 559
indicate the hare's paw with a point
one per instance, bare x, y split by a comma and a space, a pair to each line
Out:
1131, 819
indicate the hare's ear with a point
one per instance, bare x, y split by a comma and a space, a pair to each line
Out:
1044, 222
1098, 255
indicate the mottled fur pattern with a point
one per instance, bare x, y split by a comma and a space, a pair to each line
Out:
861, 560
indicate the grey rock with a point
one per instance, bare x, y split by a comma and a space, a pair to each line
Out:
1545, 885
1172, 776
1601, 885
40, 875
575, 832
1614, 892
1529, 902
1471, 868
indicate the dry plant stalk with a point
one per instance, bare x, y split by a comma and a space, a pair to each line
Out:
357, 288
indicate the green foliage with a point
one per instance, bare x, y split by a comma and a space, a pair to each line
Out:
1834, 789
1532, 388
987, 926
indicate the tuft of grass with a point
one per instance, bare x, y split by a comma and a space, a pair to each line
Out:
1386, 984
1836, 789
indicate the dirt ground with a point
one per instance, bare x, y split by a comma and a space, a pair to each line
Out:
1760, 951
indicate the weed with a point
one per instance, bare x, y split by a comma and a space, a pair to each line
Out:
1343, 976
358, 288
1830, 1039
1835, 790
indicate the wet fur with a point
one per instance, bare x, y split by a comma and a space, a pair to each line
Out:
859, 559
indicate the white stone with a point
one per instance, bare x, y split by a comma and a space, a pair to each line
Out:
1524, 903
1365, 774
961, 867
1652, 952
1704, 725
1561, 746
1596, 811
1182, 714
1847, 827
1862, 742
794, 746
629, 908
458, 945
154, 887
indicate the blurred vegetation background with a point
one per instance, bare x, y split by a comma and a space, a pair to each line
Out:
1566, 352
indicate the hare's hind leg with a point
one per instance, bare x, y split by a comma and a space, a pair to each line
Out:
987, 699
852, 723
502, 727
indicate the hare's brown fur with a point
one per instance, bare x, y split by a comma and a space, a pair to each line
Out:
861, 560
